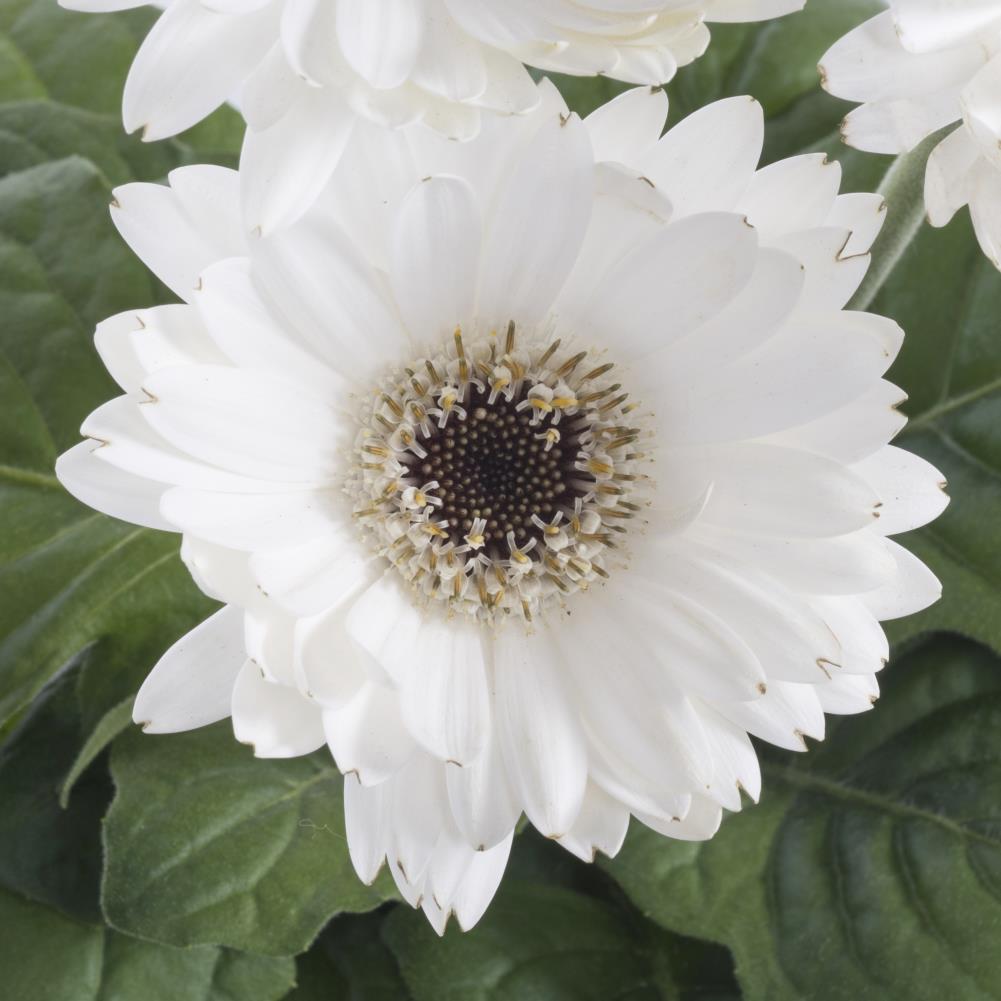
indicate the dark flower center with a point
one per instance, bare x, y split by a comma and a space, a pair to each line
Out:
494, 465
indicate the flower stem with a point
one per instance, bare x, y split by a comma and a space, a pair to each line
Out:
903, 191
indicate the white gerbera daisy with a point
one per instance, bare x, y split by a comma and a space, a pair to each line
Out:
535, 473
292, 62
919, 67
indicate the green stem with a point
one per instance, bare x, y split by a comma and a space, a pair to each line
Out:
903, 191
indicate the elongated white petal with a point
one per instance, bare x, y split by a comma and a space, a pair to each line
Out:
538, 224
274, 719
179, 230
192, 683
542, 743
435, 256
109, 490
600, 826
367, 736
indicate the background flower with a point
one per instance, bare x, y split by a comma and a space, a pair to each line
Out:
302, 69
717, 555
918, 68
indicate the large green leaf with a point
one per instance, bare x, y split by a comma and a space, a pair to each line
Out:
46, 956
558, 930
537, 942
76, 585
55, 946
47, 853
350, 961
872, 867
207, 844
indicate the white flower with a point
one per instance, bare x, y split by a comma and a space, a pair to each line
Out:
535, 473
919, 67
292, 64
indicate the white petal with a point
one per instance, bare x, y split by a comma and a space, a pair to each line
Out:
783, 716
314, 277
947, 179
329, 666
274, 719
285, 167
366, 819
381, 38
247, 421
386, 623
131, 445
911, 587
239, 323
600, 827
706, 162
367, 736
480, 883
179, 230
540, 739
483, 804
671, 285
254, 522
435, 257
912, 491
538, 224
869, 64
985, 209
933, 24
192, 683
767, 490
446, 704
792, 194
192, 60
699, 824
629, 125
321, 575
109, 490
849, 694
419, 811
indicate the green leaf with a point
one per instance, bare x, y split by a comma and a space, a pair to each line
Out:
536, 943
872, 866
559, 930
46, 956
47, 853
350, 960
114, 722
207, 844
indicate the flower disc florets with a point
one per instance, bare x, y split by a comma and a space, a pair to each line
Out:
497, 475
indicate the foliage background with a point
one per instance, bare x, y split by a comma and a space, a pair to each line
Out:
179, 869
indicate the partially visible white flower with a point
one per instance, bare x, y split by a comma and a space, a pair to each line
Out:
535, 472
919, 67
300, 70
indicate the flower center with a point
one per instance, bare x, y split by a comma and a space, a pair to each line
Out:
500, 475
498, 469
